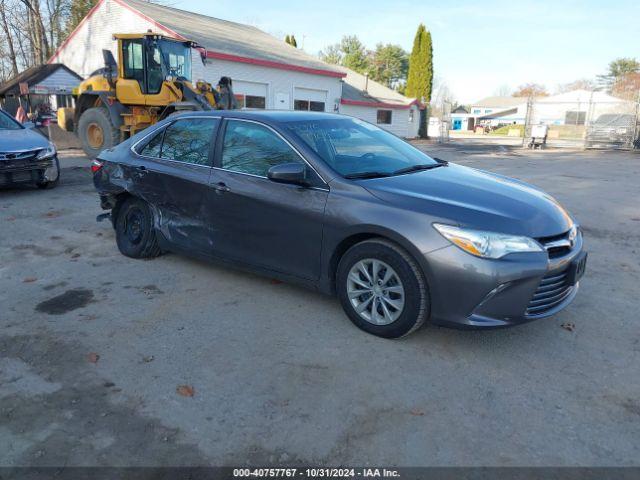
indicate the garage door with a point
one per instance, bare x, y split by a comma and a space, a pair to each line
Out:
310, 99
250, 94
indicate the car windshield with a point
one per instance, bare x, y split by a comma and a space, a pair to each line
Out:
8, 123
176, 58
356, 148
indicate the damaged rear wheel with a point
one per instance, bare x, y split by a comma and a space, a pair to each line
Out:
135, 234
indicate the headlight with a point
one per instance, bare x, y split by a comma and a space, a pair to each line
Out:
50, 151
487, 244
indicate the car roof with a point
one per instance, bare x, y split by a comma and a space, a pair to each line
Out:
276, 116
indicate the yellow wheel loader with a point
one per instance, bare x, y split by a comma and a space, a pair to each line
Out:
150, 81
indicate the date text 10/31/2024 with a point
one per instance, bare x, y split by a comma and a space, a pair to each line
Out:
315, 473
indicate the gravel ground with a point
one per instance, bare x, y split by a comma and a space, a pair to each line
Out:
106, 360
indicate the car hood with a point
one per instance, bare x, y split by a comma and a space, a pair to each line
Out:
475, 199
23, 139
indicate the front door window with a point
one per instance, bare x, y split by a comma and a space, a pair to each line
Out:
252, 148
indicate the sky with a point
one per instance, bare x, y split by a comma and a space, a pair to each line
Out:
478, 46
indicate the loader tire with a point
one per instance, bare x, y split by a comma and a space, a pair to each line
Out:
96, 131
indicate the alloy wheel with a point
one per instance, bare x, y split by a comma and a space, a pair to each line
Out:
375, 291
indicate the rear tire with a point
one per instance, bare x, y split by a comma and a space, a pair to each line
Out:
96, 131
135, 233
395, 314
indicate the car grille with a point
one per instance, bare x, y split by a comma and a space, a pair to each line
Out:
19, 156
557, 245
554, 288
20, 167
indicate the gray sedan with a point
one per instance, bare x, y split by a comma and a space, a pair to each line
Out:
342, 206
26, 156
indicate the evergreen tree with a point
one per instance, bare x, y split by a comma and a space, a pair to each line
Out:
78, 9
623, 66
287, 39
292, 41
388, 64
420, 78
355, 55
331, 54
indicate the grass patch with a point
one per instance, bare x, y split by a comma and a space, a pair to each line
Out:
504, 131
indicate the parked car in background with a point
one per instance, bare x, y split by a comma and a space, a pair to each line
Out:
613, 130
348, 208
26, 156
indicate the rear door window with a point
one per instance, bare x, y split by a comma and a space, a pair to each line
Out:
189, 140
153, 147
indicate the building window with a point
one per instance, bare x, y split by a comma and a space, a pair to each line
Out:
251, 101
308, 105
573, 117
64, 101
476, 111
411, 115
384, 117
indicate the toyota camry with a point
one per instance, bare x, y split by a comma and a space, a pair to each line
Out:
346, 208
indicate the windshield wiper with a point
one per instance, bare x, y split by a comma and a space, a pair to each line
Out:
367, 175
417, 168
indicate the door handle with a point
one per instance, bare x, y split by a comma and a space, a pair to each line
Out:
220, 187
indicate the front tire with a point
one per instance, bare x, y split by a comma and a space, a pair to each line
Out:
96, 131
382, 289
135, 233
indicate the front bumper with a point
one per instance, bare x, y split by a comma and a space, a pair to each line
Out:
472, 292
14, 172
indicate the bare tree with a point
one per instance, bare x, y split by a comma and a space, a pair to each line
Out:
531, 90
503, 91
37, 32
581, 84
8, 41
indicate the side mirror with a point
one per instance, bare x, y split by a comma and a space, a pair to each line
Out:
293, 173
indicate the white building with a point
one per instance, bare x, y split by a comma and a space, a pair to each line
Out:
49, 84
266, 72
576, 108
375, 103
495, 111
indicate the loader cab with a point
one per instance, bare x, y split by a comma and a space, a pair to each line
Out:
145, 63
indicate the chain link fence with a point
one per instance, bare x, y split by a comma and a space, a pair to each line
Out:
439, 121
589, 123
